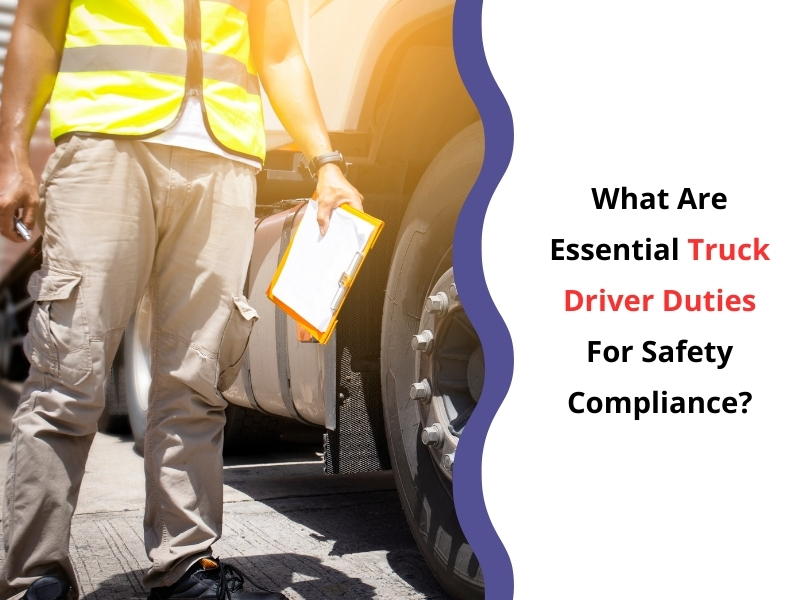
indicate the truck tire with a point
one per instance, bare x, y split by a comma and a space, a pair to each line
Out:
13, 363
132, 367
6, 338
114, 386
421, 268
245, 430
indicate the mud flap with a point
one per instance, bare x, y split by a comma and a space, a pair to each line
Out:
358, 442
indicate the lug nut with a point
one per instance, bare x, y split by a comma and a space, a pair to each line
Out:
453, 291
433, 436
448, 460
422, 342
437, 304
421, 391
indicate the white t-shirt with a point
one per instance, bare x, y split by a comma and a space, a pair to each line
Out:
190, 132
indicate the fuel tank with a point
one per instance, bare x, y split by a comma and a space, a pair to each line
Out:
310, 382
282, 375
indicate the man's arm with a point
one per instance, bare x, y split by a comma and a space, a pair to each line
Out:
34, 53
287, 81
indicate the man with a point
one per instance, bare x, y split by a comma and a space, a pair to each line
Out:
156, 112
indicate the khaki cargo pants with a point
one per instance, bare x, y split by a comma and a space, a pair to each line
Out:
121, 217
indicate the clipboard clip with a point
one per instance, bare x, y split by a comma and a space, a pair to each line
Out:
345, 280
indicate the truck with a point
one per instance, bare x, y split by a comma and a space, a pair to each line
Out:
397, 383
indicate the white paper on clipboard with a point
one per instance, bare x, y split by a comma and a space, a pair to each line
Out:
312, 277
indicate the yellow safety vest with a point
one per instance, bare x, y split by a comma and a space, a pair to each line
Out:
129, 65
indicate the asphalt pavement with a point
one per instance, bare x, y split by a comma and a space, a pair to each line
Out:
286, 524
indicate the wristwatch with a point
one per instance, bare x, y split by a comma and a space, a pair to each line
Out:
324, 159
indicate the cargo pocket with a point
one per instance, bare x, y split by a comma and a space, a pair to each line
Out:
57, 343
234, 342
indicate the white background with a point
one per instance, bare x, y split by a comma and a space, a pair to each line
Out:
682, 94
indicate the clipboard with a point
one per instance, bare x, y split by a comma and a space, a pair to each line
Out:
316, 273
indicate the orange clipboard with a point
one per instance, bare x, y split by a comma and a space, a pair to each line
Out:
345, 280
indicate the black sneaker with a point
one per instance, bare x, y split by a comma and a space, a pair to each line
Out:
212, 578
47, 588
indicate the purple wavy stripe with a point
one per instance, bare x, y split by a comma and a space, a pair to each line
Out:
468, 267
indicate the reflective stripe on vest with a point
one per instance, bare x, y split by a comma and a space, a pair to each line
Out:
152, 59
127, 67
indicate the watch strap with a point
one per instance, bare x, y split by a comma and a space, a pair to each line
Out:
324, 159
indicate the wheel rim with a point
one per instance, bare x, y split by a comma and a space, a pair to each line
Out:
449, 372
140, 352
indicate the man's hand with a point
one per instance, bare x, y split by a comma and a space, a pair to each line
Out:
18, 190
34, 53
333, 190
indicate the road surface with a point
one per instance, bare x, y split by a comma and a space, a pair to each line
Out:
286, 524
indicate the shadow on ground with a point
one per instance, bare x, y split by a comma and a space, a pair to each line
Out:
353, 544
348, 515
366, 522
288, 526
300, 575
306, 576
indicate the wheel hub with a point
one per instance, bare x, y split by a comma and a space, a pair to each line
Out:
450, 372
